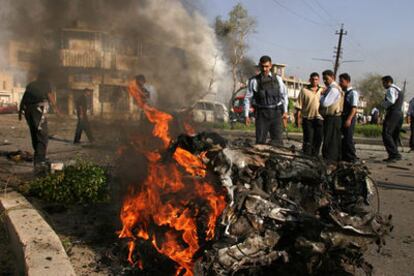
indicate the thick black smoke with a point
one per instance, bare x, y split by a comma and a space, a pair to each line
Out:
178, 48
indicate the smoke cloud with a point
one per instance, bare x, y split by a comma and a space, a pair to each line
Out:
178, 50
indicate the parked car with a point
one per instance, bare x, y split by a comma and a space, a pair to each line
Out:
210, 111
8, 108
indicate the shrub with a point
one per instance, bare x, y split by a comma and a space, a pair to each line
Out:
82, 182
368, 130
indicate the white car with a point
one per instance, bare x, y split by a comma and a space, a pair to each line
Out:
209, 111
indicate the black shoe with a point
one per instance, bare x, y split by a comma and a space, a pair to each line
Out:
392, 159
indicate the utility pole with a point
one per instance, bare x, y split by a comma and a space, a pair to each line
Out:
338, 54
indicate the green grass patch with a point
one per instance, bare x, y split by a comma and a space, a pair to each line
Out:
371, 131
82, 182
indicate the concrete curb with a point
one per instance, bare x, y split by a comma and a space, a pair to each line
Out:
36, 245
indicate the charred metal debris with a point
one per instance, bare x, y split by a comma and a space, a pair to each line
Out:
288, 213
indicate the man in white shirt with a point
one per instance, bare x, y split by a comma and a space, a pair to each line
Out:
268, 94
410, 120
331, 107
348, 118
374, 116
393, 102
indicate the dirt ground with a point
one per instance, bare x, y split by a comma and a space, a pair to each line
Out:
86, 231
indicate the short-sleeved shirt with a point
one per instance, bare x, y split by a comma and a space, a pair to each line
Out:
352, 97
308, 103
36, 92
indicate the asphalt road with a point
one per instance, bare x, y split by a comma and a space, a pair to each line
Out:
396, 184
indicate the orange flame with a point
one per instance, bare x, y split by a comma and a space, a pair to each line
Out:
168, 200
158, 118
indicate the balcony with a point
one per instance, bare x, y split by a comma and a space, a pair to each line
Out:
85, 59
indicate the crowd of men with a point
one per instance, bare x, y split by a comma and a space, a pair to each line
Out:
326, 114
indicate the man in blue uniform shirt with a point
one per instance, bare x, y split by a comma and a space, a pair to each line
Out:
393, 102
348, 118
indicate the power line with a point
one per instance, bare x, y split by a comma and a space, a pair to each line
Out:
326, 11
315, 11
297, 14
304, 50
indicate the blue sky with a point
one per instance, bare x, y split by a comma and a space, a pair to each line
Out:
380, 32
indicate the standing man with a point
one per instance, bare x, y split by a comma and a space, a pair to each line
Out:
270, 100
331, 107
308, 112
82, 113
394, 99
35, 106
375, 116
348, 118
149, 91
410, 120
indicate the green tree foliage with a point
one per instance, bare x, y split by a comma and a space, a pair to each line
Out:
233, 32
372, 90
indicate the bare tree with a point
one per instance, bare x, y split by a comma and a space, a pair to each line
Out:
233, 33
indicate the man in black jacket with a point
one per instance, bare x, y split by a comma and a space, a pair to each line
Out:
35, 106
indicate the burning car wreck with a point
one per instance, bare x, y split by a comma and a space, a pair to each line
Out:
214, 207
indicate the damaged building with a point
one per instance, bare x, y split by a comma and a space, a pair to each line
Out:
76, 57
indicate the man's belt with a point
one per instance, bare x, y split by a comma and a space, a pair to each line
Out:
273, 106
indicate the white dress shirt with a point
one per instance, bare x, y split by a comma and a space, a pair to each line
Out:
391, 96
331, 96
252, 88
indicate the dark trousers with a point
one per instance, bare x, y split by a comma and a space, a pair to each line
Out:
83, 125
37, 123
331, 149
312, 136
412, 132
391, 133
269, 121
348, 144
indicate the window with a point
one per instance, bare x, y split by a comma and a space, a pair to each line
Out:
209, 106
4, 85
238, 102
199, 106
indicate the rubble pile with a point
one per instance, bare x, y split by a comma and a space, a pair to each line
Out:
287, 213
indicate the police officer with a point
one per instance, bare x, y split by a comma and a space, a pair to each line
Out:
81, 112
35, 106
375, 116
331, 107
393, 103
269, 96
348, 118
